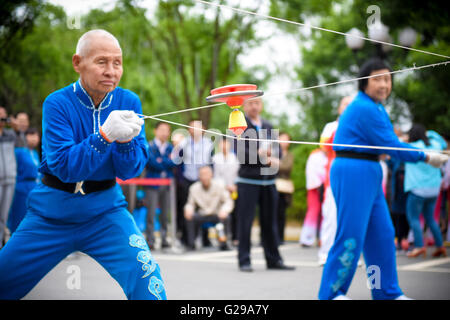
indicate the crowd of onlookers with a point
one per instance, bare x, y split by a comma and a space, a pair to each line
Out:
214, 190
212, 186
19, 163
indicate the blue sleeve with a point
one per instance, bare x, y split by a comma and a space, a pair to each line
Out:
68, 160
130, 158
379, 132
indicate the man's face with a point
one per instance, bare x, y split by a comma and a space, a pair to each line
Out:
205, 176
379, 88
3, 116
22, 122
32, 140
196, 131
162, 133
100, 68
284, 137
253, 107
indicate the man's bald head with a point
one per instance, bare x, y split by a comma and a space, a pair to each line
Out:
88, 38
99, 62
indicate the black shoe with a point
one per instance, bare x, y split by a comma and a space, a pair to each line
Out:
165, 245
224, 246
246, 268
280, 266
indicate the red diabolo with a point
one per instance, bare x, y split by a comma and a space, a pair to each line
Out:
234, 96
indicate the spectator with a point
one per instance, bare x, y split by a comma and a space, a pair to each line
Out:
8, 171
177, 139
159, 165
329, 219
208, 201
423, 182
445, 195
397, 198
315, 179
284, 184
256, 187
193, 152
226, 167
27, 177
21, 124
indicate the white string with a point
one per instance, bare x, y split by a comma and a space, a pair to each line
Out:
189, 109
357, 79
317, 28
312, 87
290, 141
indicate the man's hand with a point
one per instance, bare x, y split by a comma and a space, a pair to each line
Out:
188, 214
436, 159
232, 188
121, 126
222, 215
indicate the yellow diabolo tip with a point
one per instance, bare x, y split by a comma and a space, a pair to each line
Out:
236, 122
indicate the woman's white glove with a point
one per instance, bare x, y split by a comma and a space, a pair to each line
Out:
436, 159
121, 126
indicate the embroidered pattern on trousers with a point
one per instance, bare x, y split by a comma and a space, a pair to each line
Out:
346, 260
155, 286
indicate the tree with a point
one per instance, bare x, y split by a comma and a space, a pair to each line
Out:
171, 59
194, 54
422, 96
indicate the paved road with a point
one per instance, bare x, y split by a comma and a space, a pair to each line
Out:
212, 274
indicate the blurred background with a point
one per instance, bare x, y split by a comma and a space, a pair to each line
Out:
175, 52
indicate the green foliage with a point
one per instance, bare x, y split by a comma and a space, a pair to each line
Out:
424, 93
171, 59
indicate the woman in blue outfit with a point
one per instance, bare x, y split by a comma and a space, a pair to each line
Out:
423, 183
27, 177
364, 224
91, 134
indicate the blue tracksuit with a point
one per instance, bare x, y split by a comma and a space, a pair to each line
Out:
364, 224
27, 178
98, 224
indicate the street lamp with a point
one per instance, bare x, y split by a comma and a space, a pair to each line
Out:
379, 32
407, 37
354, 40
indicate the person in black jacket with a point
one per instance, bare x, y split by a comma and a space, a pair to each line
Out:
256, 186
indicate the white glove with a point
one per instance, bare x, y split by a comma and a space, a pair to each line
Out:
436, 159
121, 126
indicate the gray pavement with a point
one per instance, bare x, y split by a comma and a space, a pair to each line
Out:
209, 274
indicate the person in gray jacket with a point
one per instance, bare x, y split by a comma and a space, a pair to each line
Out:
7, 171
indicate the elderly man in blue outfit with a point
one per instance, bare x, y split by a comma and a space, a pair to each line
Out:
364, 224
91, 135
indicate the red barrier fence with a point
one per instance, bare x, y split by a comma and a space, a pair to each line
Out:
146, 181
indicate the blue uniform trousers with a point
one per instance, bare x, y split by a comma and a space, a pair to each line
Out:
110, 237
364, 225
